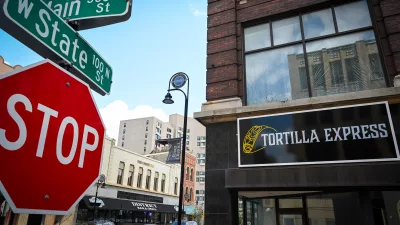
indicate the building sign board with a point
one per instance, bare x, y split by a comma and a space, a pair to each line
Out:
34, 24
357, 133
174, 153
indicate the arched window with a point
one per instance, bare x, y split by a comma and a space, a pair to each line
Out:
190, 194
191, 174
187, 173
186, 193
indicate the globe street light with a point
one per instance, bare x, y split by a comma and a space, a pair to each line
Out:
177, 81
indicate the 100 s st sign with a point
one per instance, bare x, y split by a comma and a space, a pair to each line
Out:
355, 133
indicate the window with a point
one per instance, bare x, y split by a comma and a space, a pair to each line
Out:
187, 142
120, 172
176, 186
203, 138
147, 128
168, 130
145, 142
200, 179
168, 136
179, 128
124, 124
337, 72
187, 173
191, 174
144, 149
303, 78
188, 130
122, 144
200, 173
155, 185
130, 175
186, 193
188, 136
257, 37
148, 179
145, 135
163, 183
278, 69
147, 122
190, 194
198, 138
322, 208
140, 176
376, 66
123, 137
198, 143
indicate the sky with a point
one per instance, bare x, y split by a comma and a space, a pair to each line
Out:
160, 39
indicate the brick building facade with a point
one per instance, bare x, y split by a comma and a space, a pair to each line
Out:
226, 18
190, 176
285, 67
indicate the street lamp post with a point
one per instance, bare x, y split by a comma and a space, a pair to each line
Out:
179, 80
100, 182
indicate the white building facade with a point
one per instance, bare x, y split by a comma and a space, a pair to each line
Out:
127, 171
139, 135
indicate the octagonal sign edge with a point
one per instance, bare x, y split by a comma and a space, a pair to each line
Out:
101, 148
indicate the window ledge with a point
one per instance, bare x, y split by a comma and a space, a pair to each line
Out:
392, 95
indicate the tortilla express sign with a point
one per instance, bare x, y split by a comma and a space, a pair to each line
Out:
333, 135
38, 20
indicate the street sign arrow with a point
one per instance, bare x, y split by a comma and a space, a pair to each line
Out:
51, 129
34, 24
92, 13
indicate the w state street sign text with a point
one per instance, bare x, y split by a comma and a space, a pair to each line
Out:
51, 139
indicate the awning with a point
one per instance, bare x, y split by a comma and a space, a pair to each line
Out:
129, 205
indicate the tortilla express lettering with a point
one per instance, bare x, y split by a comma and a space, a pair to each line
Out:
360, 132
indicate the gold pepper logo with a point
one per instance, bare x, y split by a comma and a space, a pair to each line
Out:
251, 138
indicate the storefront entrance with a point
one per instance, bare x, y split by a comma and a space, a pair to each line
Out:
125, 212
348, 208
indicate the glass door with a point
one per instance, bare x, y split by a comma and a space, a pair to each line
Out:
291, 211
290, 219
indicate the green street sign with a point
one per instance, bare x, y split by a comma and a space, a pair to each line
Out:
37, 26
87, 9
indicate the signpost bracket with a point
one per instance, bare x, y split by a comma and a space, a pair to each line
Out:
65, 65
74, 24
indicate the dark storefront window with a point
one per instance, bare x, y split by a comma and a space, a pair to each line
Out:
120, 172
140, 177
320, 209
334, 50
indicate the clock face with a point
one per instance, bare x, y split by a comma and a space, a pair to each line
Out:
178, 81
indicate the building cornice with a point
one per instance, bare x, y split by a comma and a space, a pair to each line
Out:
392, 95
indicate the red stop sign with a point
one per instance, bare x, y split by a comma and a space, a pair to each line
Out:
51, 139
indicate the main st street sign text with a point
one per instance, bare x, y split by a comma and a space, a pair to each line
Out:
52, 33
85, 9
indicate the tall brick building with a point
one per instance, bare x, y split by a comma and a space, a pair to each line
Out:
302, 112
